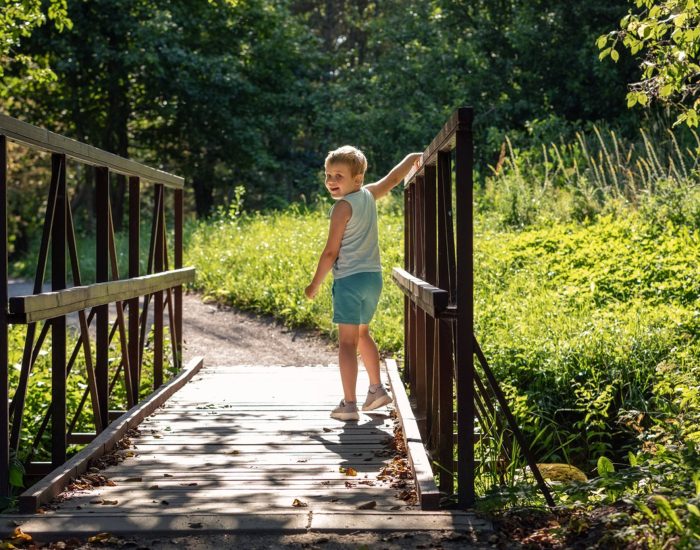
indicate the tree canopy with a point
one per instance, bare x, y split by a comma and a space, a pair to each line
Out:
254, 92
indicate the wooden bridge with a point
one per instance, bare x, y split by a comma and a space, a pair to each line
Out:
221, 446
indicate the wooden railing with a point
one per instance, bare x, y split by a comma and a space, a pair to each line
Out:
440, 344
43, 311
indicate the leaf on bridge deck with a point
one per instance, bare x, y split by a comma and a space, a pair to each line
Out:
100, 537
371, 505
299, 504
18, 537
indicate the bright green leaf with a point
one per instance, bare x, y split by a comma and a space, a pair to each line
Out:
605, 467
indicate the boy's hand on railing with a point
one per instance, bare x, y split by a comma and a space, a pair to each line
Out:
311, 291
417, 160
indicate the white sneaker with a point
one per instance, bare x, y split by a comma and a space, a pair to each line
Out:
375, 399
345, 411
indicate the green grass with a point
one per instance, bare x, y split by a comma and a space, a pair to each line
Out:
264, 262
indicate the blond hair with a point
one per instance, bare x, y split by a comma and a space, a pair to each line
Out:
352, 156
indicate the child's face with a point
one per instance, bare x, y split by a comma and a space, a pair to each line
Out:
340, 181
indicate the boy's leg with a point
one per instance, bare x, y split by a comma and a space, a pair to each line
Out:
377, 395
370, 354
348, 335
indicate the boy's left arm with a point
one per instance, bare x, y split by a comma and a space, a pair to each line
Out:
394, 177
339, 219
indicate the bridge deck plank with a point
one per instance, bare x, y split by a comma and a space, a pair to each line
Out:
247, 438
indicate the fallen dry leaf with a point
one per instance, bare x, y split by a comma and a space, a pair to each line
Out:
350, 472
19, 537
299, 504
100, 537
371, 505
109, 502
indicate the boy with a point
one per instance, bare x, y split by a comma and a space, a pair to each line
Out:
352, 252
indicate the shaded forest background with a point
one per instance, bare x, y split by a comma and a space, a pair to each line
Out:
253, 93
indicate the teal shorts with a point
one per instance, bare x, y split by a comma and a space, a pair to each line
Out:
355, 298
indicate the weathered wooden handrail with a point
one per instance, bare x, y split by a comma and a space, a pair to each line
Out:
47, 305
438, 284
431, 299
45, 140
131, 296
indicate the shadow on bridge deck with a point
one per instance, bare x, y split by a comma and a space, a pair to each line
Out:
249, 448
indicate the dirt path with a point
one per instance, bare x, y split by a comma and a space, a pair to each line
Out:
225, 336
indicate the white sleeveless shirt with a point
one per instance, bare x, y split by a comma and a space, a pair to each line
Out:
359, 249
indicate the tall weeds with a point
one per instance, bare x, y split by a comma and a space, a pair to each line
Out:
594, 174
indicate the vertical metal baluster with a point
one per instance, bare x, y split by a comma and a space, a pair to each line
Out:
4, 329
445, 361
58, 324
134, 271
101, 276
421, 371
412, 306
430, 270
178, 265
406, 301
158, 296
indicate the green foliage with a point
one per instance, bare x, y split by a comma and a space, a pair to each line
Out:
667, 35
18, 19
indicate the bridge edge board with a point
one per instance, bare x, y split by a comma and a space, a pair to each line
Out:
426, 489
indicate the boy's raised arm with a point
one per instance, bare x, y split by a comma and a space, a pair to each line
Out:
394, 177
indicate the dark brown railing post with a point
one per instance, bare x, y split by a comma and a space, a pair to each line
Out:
4, 328
419, 271
58, 324
465, 308
158, 297
134, 271
101, 276
406, 300
430, 276
410, 267
445, 345
178, 264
